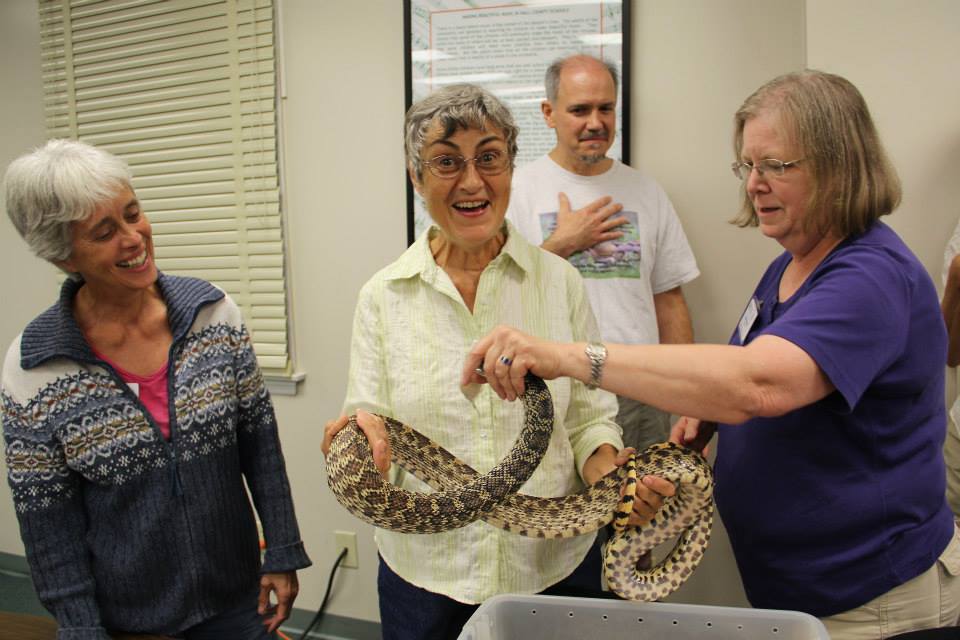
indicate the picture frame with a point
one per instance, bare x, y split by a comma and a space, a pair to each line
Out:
506, 46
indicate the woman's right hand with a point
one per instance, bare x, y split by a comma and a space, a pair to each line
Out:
373, 427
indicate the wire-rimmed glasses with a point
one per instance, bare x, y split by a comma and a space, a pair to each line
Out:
489, 163
775, 167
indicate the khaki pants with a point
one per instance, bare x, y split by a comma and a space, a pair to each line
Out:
642, 424
930, 600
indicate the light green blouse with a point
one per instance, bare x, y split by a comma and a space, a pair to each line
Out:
411, 334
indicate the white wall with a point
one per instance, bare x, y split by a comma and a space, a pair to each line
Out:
693, 63
28, 285
346, 207
903, 58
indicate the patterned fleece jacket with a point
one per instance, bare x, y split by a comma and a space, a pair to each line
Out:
126, 530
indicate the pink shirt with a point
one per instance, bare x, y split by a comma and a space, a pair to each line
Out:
151, 389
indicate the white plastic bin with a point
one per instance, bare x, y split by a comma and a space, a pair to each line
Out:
515, 617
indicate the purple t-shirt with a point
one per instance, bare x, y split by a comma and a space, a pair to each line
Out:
835, 503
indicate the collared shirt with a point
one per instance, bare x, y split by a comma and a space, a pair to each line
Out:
411, 334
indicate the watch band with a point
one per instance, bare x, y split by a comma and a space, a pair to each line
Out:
597, 353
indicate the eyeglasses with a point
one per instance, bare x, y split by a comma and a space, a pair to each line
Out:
488, 163
775, 167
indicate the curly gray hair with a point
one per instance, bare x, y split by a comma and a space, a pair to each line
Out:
56, 184
455, 106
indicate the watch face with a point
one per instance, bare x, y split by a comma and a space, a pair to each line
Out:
596, 352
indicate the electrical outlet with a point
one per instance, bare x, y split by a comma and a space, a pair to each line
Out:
347, 539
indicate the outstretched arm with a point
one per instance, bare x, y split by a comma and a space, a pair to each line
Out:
721, 383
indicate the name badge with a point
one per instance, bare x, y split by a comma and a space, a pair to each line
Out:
748, 318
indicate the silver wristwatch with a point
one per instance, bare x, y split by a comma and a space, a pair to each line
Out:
598, 355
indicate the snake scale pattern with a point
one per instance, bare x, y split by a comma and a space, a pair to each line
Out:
461, 496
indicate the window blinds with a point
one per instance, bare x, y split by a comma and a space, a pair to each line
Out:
184, 91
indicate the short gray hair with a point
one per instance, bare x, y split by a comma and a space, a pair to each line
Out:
551, 80
56, 184
455, 106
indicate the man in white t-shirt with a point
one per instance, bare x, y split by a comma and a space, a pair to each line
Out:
625, 238
951, 315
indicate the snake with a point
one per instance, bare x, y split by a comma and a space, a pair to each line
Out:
460, 496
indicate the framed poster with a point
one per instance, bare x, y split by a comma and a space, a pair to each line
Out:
506, 48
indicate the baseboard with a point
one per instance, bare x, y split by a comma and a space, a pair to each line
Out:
14, 563
331, 627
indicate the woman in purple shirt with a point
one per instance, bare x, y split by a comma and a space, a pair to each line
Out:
829, 399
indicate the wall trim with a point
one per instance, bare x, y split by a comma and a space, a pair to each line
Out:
332, 627
14, 563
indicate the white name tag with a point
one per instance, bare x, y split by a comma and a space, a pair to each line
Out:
748, 318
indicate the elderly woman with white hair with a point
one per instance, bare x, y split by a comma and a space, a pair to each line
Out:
133, 411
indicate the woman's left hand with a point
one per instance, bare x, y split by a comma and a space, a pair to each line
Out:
651, 490
285, 588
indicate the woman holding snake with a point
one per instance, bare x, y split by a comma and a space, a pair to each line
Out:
414, 320
828, 399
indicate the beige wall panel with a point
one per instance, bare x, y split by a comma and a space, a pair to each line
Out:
28, 284
694, 62
903, 58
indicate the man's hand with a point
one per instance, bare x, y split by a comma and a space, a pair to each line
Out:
583, 228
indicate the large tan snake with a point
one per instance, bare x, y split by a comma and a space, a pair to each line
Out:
462, 496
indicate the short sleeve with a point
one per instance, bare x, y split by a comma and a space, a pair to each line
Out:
675, 264
852, 317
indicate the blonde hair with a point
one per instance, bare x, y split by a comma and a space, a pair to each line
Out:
828, 122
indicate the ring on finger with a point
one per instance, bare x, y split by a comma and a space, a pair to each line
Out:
506, 361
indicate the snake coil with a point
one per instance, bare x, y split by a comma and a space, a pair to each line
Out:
462, 496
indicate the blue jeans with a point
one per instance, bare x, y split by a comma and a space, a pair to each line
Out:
408, 612
239, 623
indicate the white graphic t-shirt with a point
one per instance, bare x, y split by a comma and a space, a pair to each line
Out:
622, 275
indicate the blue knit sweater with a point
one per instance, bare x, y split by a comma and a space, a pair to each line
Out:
125, 530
